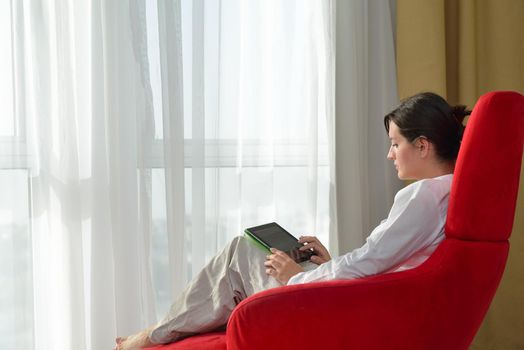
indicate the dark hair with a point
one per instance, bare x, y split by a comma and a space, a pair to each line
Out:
429, 115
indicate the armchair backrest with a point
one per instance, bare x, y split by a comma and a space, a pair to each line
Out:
486, 179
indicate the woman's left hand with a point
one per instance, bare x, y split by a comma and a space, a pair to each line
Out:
280, 266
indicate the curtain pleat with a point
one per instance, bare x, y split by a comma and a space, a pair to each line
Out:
365, 91
170, 42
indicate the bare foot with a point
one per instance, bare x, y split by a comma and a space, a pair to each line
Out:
134, 342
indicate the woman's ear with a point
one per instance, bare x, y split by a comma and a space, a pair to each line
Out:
423, 146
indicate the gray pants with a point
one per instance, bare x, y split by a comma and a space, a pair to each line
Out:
235, 273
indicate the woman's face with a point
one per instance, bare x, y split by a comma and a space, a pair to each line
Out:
404, 154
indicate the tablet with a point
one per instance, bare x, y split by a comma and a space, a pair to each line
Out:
272, 235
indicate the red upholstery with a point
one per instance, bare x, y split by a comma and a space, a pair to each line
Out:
215, 341
438, 305
485, 185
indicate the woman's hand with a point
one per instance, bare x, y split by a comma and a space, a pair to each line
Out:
280, 266
321, 254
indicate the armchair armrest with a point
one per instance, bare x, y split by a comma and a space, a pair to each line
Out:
326, 315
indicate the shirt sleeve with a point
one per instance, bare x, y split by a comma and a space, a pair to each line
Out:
414, 222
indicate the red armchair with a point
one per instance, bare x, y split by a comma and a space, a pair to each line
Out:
440, 304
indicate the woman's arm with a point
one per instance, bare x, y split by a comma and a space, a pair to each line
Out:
415, 221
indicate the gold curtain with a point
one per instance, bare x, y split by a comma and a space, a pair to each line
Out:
462, 49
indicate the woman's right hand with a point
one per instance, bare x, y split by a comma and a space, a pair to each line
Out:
321, 254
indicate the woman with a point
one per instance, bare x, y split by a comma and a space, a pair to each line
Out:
425, 134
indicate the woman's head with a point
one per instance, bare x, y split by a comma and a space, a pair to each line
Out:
422, 122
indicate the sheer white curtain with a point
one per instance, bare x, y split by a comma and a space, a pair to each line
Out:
246, 128
140, 137
81, 92
366, 89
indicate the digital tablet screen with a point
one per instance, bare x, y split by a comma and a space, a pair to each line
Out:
274, 236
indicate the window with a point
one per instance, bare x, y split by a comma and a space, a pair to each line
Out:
254, 147
16, 295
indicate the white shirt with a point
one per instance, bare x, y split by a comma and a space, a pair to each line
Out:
411, 232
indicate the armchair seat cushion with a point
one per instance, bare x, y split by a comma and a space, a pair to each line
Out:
215, 341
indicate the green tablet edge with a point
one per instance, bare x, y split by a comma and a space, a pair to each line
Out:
255, 241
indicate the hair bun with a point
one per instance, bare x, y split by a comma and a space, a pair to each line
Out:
460, 112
